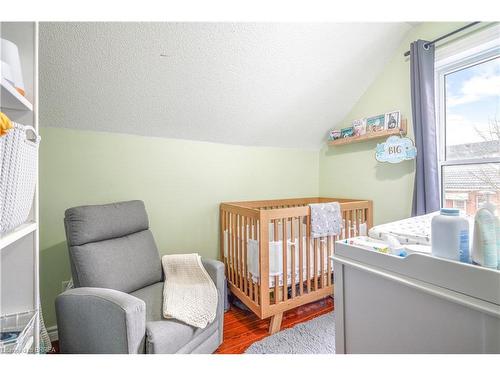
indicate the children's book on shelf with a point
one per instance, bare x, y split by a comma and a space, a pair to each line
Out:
375, 123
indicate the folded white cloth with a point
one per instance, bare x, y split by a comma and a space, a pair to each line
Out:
189, 294
326, 219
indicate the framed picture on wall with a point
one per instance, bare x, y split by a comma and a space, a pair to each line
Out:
392, 120
375, 123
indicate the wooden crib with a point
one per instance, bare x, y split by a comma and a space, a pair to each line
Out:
302, 273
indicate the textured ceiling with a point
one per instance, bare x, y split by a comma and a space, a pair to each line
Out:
266, 84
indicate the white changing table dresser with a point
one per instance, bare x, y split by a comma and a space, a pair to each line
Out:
416, 304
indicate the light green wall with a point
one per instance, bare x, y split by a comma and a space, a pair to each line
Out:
352, 170
181, 182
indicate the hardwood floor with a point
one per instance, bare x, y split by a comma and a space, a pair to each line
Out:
242, 328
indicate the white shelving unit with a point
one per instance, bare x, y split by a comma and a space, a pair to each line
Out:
12, 99
19, 251
18, 233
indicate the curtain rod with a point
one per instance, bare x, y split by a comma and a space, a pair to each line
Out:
407, 53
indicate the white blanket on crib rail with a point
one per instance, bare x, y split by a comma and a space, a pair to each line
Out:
189, 294
326, 219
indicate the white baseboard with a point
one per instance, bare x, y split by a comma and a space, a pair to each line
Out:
52, 331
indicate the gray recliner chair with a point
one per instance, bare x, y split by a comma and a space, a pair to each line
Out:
116, 306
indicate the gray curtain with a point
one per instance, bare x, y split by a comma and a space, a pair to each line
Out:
426, 187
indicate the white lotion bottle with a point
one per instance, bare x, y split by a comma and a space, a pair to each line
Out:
492, 208
484, 245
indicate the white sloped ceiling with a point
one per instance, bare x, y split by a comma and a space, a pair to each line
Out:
264, 84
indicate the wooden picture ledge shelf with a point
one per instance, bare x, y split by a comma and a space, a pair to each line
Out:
370, 136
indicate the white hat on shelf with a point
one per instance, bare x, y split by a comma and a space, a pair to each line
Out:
11, 65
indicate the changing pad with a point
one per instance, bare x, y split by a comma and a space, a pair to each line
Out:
414, 230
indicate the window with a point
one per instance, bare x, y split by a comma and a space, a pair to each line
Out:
468, 112
461, 205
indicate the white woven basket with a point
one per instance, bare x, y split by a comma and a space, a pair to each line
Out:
18, 174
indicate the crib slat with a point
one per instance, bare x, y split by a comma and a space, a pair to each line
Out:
247, 272
369, 215
262, 291
249, 234
222, 214
360, 216
322, 264
256, 293
245, 258
240, 251
352, 223
250, 287
285, 262
236, 251
292, 254
315, 267
276, 289
301, 261
328, 260
359, 221
254, 222
355, 223
344, 219
228, 263
235, 248
275, 238
229, 242
230, 247
334, 239
308, 253
254, 237
348, 224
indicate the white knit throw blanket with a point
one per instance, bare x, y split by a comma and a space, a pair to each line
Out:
189, 294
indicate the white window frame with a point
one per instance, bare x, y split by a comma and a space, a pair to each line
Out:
480, 47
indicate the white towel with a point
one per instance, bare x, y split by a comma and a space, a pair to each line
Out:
189, 294
326, 219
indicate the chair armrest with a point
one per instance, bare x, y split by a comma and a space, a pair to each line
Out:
98, 320
216, 271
